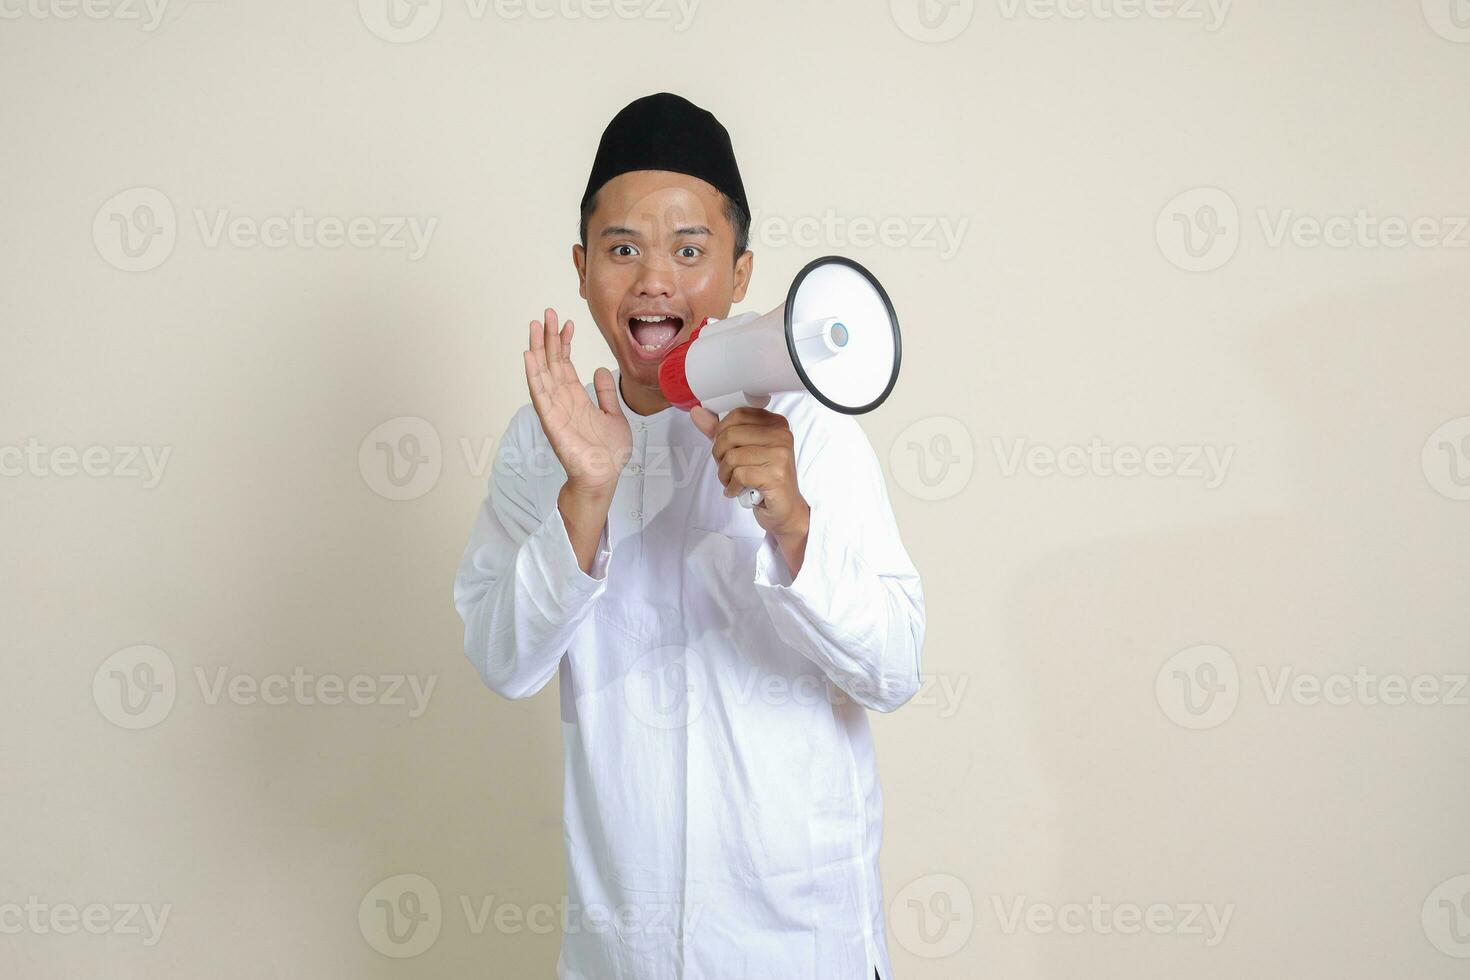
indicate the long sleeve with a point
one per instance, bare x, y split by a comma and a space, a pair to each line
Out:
856, 607
520, 591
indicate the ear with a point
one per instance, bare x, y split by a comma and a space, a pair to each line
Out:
579, 259
744, 267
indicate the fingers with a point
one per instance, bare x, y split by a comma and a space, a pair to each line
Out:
545, 364
758, 457
568, 373
607, 397
545, 344
759, 477
704, 420
553, 339
731, 436
538, 383
535, 361
550, 354
558, 346
758, 416
538, 347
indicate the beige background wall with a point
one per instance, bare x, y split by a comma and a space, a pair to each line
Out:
1104, 721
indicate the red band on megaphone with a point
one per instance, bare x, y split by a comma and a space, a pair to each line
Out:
672, 380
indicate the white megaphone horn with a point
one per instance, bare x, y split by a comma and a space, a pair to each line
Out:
836, 337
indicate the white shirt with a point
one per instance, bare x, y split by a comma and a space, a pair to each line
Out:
722, 812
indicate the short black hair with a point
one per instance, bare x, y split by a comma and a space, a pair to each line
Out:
739, 222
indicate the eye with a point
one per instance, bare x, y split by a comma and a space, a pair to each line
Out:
618, 250
690, 252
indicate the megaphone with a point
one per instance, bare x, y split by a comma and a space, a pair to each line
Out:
836, 336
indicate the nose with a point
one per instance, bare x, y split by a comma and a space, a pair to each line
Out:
655, 279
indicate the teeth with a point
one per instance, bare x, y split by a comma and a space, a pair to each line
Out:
652, 319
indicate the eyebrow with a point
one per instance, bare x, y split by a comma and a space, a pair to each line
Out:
625, 232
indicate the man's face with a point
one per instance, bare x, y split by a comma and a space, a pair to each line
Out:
660, 257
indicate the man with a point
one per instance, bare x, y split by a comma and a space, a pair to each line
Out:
722, 812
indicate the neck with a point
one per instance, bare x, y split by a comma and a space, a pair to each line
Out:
641, 399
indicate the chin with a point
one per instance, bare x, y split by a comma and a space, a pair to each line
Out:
641, 371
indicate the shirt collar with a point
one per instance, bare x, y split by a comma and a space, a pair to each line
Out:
658, 422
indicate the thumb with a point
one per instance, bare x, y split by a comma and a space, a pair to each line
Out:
704, 420
607, 396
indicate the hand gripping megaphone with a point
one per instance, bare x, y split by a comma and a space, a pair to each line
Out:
836, 337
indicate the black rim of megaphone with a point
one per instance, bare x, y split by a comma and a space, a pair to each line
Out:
791, 341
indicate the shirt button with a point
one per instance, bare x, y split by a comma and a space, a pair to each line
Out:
635, 468
640, 426
637, 515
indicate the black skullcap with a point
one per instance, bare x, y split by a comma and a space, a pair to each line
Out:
667, 132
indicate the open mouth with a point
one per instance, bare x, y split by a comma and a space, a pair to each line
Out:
653, 333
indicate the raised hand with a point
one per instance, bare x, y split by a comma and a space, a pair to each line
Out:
593, 441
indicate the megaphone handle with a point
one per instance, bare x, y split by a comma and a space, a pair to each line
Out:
750, 497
